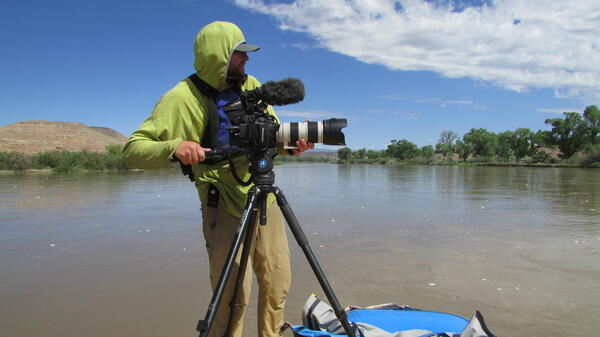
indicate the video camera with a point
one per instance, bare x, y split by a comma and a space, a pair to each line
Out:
255, 129
256, 132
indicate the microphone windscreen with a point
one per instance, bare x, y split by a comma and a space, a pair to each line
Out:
287, 91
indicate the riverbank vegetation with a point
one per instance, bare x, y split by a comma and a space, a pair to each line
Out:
573, 141
64, 161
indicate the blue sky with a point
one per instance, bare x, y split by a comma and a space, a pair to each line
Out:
405, 69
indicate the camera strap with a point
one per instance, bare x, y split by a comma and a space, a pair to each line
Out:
211, 93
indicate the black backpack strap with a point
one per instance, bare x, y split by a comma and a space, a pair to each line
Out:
206, 141
213, 123
204, 87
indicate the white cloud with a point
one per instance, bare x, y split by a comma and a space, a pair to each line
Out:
443, 103
301, 46
397, 113
414, 99
458, 102
559, 111
314, 115
469, 103
515, 44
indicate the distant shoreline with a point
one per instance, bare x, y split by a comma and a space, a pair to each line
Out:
333, 162
453, 163
112, 161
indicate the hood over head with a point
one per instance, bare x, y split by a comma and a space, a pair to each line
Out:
214, 45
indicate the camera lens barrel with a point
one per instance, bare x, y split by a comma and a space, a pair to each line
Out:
328, 132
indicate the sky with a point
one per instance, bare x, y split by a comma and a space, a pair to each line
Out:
404, 69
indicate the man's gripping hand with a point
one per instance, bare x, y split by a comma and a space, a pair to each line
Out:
301, 146
190, 152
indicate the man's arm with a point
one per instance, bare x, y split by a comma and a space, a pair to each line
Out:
146, 150
173, 129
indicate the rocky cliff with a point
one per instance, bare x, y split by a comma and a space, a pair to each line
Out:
40, 136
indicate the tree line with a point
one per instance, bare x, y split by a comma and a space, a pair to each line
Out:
64, 161
575, 135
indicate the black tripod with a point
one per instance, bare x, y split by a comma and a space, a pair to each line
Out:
264, 178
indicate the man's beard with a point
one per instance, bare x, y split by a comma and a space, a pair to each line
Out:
236, 79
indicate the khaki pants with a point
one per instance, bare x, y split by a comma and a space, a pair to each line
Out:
270, 259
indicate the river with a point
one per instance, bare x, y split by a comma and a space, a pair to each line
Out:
122, 254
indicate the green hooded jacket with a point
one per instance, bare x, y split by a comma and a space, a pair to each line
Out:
182, 114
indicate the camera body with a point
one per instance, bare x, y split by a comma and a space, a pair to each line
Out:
253, 128
256, 133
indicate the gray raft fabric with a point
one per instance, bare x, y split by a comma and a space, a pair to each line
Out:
318, 315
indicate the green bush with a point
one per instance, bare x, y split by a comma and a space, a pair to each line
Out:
575, 158
90, 161
63, 169
421, 160
304, 158
65, 161
541, 157
115, 162
592, 159
13, 160
54, 159
529, 160
116, 150
45, 160
383, 160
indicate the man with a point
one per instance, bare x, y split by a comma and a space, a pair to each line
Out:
175, 130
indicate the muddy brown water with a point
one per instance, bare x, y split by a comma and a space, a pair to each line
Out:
122, 254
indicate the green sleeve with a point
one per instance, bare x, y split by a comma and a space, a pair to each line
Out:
176, 117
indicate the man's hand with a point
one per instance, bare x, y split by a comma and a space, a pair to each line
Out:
302, 145
190, 152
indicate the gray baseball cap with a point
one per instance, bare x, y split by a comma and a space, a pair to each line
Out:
246, 47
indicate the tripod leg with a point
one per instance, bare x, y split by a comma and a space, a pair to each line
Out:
312, 260
239, 283
204, 325
263, 210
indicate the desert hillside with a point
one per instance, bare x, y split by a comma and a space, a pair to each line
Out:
32, 137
